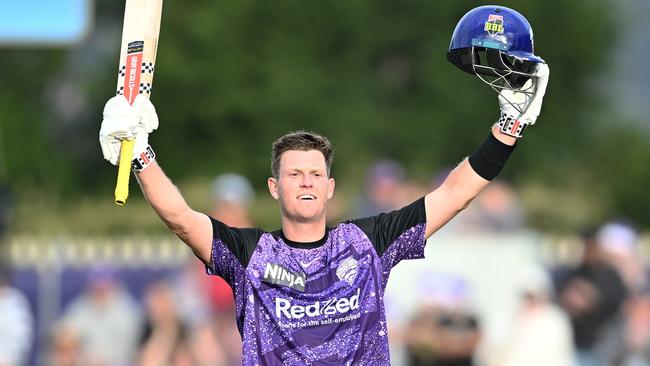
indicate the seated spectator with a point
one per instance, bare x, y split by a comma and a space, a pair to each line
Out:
106, 319
539, 333
496, 209
619, 245
592, 294
16, 323
164, 339
444, 331
442, 337
627, 342
232, 197
383, 190
65, 348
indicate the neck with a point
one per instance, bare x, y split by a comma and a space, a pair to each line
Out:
303, 232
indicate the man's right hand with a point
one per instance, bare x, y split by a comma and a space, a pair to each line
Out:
125, 122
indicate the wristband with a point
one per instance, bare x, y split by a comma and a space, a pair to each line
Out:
142, 161
488, 160
511, 126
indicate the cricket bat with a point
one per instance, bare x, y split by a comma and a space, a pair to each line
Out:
135, 71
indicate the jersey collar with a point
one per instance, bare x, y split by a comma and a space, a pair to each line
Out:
303, 245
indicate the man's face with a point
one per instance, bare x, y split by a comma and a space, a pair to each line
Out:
302, 187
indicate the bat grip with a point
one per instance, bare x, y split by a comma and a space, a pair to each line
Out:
124, 172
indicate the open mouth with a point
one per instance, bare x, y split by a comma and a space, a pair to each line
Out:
306, 197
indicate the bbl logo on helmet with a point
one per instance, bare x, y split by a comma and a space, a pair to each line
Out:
494, 25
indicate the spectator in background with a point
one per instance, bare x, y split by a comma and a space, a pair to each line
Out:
233, 196
592, 295
165, 336
442, 337
16, 322
384, 189
194, 308
200, 295
65, 348
627, 340
443, 330
106, 319
540, 332
496, 209
619, 243
206, 303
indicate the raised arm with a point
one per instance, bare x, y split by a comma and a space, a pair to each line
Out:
192, 227
123, 121
474, 173
464, 183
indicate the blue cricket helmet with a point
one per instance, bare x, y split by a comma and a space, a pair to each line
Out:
495, 41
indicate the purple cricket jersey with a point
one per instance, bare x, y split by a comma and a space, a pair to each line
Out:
316, 303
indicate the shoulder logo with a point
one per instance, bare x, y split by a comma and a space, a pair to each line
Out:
276, 274
347, 270
494, 25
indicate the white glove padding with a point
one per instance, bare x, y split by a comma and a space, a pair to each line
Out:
125, 122
512, 121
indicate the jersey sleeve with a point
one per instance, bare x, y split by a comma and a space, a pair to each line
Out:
232, 248
398, 234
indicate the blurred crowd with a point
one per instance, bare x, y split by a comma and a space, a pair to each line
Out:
594, 311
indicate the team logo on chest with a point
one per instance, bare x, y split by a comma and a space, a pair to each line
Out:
347, 270
276, 274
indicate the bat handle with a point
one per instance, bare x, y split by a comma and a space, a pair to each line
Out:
124, 172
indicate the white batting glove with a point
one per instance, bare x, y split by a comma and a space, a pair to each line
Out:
125, 122
527, 99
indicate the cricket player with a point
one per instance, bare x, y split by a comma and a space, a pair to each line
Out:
308, 294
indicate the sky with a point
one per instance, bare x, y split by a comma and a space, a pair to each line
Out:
44, 21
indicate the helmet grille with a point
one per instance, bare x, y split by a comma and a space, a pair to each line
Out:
491, 62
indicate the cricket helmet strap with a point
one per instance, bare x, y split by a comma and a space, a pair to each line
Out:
495, 43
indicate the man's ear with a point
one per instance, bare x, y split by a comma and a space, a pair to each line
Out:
330, 188
273, 187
